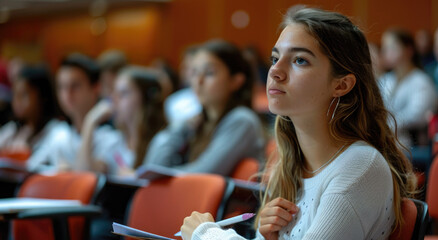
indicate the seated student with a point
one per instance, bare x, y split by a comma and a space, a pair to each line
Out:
78, 91
227, 130
407, 90
138, 113
34, 107
183, 104
432, 68
340, 173
110, 63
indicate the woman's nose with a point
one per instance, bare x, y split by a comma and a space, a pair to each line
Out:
277, 73
197, 80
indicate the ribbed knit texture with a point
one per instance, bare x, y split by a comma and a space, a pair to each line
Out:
350, 199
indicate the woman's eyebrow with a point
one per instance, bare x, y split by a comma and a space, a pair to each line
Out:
301, 49
296, 49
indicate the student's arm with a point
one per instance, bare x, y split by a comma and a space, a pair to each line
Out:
86, 160
47, 156
229, 144
200, 226
6, 132
165, 147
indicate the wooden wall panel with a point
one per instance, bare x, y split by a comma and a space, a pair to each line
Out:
152, 30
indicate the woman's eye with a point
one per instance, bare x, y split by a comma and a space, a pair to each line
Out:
301, 61
209, 73
274, 60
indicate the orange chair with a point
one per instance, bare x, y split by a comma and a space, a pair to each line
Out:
415, 216
246, 169
75, 186
161, 207
432, 194
432, 185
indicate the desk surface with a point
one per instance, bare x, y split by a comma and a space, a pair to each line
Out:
15, 205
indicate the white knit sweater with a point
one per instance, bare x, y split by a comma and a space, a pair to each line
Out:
350, 199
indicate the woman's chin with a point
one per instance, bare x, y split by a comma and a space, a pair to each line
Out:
277, 111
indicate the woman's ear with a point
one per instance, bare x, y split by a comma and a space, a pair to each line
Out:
343, 85
237, 81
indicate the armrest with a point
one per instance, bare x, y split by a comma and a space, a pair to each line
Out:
61, 212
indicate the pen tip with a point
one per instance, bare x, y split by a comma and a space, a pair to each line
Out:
247, 216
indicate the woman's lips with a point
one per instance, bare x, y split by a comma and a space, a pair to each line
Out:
274, 91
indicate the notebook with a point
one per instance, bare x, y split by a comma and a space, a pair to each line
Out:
126, 231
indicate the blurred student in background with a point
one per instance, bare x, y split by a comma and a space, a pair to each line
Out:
34, 107
110, 63
424, 46
5, 93
407, 90
77, 84
227, 130
432, 67
376, 60
138, 112
183, 104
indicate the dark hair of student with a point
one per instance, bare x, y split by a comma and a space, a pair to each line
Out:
85, 64
38, 78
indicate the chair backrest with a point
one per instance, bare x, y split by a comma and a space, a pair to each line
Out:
432, 185
246, 169
161, 207
415, 216
76, 186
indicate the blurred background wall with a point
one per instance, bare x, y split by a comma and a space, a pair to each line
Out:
47, 30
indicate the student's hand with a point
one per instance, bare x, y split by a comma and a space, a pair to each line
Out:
192, 222
101, 112
274, 216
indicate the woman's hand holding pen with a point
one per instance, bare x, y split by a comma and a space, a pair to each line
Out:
274, 216
192, 222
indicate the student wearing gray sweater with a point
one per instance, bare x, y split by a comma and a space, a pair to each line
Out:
227, 130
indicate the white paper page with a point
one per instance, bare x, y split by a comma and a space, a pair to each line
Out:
132, 232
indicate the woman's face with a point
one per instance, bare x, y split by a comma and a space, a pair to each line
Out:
393, 53
25, 101
211, 80
127, 100
299, 80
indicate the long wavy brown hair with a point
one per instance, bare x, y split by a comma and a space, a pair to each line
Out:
361, 114
150, 118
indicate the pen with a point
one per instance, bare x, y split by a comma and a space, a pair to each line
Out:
229, 221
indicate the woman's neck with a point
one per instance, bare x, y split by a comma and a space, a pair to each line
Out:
316, 142
131, 135
403, 69
214, 113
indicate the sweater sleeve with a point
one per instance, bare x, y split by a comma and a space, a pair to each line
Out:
230, 142
165, 146
335, 219
212, 231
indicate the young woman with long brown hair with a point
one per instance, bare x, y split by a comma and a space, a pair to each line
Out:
340, 172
